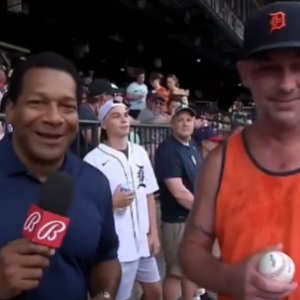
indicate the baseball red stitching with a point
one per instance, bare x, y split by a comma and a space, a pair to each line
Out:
281, 269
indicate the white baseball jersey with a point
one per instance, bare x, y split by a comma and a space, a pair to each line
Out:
132, 224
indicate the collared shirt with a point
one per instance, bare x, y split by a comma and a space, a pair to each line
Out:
133, 170
91, 237
176, 160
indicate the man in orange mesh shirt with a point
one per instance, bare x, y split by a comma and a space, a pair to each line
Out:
248, 192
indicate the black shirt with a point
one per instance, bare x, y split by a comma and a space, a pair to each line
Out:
176, 160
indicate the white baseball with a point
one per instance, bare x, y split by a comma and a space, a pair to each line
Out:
277, 265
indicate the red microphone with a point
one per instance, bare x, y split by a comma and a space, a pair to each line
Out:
46, 223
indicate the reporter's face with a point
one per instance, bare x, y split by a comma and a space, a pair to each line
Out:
45, 117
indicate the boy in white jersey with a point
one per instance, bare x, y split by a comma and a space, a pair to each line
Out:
133, 183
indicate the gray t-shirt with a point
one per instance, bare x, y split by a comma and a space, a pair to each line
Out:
86, 113
147, 116
152, 136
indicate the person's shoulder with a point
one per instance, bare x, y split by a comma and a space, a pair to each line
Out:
146, 116
215, 158
86, 113
138, 149
89, 176
131, 87
144, 111
92, 155
83, 107
166, 145
83, 167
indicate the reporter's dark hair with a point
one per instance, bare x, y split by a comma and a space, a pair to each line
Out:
45, 60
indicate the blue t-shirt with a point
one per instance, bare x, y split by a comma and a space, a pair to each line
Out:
90, 239
176, 160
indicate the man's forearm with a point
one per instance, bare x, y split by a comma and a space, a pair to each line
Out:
106, 276
185, 198
152, 214
207, 271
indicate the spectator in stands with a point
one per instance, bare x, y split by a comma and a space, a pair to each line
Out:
2, 131
173, 88
136, 94
177, 164
88, 79
155, 81
207, 139
172, 83
174, 102
238, 125
2, 78
100, 91
132, 180
89, 111
154, 113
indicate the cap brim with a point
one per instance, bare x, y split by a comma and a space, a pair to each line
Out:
276, 46
188, 109
116, 91
217, 139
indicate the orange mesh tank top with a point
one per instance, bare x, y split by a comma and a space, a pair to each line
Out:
256, 209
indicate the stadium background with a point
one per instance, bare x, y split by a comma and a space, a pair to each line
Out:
198, 40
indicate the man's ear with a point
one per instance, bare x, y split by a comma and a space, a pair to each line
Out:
103, 125
243, 68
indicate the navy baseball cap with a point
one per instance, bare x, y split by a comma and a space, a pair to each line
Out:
103, 86
207, 134
274, 26
183, 107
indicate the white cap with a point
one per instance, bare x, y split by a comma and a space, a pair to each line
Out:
107, 107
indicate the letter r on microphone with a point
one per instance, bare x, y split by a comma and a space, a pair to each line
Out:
45, 228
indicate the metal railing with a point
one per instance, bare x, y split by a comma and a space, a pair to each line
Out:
147, 135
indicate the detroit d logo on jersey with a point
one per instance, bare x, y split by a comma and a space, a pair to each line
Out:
141, 176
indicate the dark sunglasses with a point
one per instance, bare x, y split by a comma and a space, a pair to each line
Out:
159, 103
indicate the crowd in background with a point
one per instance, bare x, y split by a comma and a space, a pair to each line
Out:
151, 101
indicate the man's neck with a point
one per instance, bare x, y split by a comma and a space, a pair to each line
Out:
183, 140
40, 169
118, 143
277, 134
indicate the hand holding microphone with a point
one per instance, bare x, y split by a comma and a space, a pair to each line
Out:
22, 261
21, 267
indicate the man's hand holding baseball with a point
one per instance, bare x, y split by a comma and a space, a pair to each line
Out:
255, 286
21, 267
